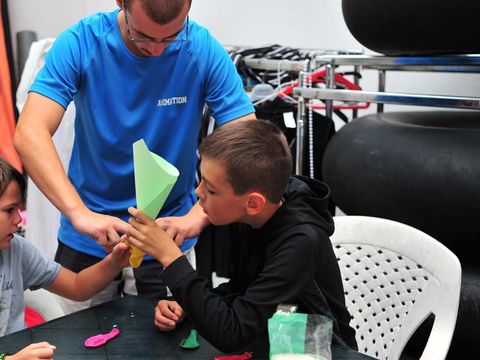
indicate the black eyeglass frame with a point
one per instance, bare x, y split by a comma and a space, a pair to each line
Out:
166, 40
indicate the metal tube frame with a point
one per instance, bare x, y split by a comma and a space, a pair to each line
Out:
455, 63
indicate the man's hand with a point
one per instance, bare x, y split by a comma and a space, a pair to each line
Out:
104, 229
36, 351
184, 227
168, 314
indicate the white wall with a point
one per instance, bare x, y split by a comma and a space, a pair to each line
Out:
316, 24
307, 24
49, 17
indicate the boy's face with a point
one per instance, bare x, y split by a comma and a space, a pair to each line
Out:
216, 195
9, 214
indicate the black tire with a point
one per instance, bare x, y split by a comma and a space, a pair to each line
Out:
414, 27
419, 168
422, 169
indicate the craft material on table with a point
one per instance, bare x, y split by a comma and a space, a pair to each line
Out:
154, 179
101, 339
244, 356
191, 342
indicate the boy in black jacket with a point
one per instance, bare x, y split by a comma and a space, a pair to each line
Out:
282, 253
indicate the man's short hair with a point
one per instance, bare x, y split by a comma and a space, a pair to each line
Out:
9, 173
255, 154
160, 11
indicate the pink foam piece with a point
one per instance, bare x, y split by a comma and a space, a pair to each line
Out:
101, 339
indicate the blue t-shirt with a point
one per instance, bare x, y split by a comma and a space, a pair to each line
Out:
121, 98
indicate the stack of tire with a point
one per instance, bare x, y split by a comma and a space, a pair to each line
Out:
421, 168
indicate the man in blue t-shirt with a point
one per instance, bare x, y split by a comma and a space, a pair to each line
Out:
142, 71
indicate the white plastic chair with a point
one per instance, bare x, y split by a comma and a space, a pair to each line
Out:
394, 277
43, 302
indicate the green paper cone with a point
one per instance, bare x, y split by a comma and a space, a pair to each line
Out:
154, 179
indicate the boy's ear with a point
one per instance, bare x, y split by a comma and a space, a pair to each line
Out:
255, 203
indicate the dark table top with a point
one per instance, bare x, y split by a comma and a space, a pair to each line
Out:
138, 339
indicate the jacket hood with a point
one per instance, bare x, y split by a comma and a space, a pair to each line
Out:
306, 201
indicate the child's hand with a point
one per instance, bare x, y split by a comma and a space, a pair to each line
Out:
36, 351
148, 236
168, 314
121, 254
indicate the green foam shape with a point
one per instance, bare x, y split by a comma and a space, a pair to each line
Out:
191, 342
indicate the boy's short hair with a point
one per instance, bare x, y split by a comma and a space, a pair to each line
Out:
9, 173
255, 154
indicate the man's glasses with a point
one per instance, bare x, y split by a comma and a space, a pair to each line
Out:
137, 38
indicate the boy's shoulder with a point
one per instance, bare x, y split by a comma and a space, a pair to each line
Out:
306, 205
19, 247
35, 269
15, 253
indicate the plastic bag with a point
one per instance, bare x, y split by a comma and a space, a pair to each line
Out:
299, 336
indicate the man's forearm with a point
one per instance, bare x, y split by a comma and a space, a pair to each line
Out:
46, 171
38, 122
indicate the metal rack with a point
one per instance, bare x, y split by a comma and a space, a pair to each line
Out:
302, 67
382, 64
453, 64
331, 60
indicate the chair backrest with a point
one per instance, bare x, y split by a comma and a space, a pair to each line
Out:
394, 277
44, 303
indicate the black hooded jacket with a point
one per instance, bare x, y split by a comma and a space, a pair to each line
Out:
289, 260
